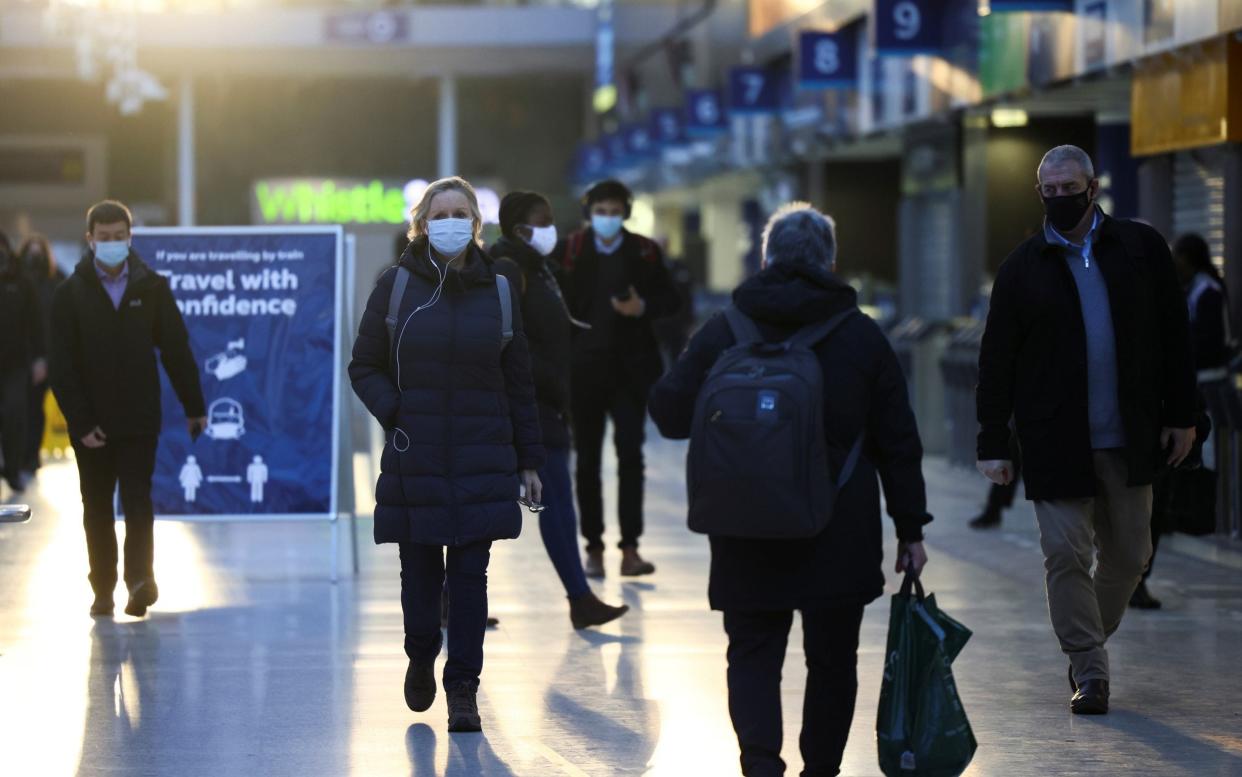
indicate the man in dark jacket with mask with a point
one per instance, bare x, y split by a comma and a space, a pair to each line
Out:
21, 360
831, 577
617, 283
108, 321
1086, 348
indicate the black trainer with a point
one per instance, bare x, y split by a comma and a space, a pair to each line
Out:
420, 685
1091, 698
463, 709
103, 606
1142, 599
990, 518
141, 597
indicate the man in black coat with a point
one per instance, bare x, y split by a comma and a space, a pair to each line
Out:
1086, 348
831, 577
21, 360
617, 283
108, 320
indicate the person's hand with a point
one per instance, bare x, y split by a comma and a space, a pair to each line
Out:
999, 471
195, 426
533, 486
96, 439
911, 556
1178, 442
38, 372
632, 307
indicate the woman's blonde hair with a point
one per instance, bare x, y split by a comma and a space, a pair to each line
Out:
419, 213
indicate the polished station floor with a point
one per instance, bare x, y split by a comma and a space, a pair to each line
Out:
255, 663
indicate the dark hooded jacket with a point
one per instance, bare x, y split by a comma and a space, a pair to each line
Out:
21, 319
864, 392
548, 332
1033, 362
458, 411
102, 360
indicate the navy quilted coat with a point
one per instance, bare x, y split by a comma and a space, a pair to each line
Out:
463, 420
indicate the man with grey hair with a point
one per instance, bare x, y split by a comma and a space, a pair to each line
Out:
831, 576
1086, 349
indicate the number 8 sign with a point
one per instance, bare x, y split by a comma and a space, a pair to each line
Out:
828, 60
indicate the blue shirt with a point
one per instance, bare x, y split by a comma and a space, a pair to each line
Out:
1103, 406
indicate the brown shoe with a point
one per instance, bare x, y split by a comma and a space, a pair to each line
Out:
594, 566
587, 610
632, 564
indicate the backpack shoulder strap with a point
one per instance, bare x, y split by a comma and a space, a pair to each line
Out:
809, 336
744, 329
851, 461
399, 282
506, 310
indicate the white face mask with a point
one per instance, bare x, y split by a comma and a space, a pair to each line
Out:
542, 239
450, 236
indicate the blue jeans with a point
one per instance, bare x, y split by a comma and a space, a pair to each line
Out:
558, 524
424, 573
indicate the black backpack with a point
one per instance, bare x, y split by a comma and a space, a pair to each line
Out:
758, 463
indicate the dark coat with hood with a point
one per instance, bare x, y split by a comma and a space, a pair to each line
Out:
102, 363
1033, 362
864, 392
21, 319
459, 410
548, 332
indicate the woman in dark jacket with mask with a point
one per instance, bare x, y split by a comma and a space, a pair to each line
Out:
528, 236
458, 408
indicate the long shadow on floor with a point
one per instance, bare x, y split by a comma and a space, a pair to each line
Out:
470, 755
1177, 746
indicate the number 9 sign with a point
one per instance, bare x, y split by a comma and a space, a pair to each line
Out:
906, 27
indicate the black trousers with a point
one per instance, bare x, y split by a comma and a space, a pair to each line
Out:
37, 421
129, 461
14, 386
426, 572
757, 642
594, 402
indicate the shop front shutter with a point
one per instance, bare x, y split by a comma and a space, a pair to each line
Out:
1199, 199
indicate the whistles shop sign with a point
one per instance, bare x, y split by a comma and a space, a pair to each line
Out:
263, 310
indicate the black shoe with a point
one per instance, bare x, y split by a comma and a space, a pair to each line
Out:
594, 566
1091, 698
587, 610
1142, 599
102, 606
1073, 684
463, 709
17, 483
988, 519
141, 597
420, 685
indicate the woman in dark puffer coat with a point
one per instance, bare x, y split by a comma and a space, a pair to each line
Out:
528, 235
458, 408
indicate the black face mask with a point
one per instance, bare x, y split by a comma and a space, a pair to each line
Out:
1065, 212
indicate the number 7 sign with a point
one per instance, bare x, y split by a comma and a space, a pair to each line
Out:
753, 90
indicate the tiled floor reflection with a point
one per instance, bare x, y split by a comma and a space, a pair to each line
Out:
253, 663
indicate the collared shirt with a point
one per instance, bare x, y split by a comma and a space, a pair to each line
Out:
114, 286
609, 250
1103, 404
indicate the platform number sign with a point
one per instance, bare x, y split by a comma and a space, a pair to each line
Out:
705, 113
828, 60
909, 27
638, 141
667, 127
753, 90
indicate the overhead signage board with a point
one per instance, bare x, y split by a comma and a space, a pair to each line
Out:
705, 113
754, 91
828, 60
306, 201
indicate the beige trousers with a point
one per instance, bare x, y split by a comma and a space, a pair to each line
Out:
1087, 610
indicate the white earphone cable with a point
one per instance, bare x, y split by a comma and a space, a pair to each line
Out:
432, 300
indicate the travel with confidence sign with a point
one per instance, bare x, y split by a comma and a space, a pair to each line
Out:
263, 306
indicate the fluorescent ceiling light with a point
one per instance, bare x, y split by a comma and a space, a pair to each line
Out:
1009, 117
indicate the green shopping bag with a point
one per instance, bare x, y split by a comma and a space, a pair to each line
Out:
921, 729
